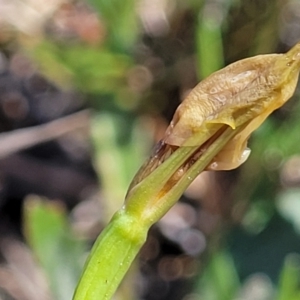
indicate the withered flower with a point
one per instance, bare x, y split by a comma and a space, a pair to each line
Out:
240, 96
210, 130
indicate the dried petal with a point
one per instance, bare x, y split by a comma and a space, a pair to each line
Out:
243, 93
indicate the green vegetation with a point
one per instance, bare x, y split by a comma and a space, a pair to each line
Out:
132, 77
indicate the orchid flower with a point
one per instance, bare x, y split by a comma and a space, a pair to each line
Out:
209, 131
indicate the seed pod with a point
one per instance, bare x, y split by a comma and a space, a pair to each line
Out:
243, 93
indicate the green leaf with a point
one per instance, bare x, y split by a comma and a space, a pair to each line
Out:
220, 280
50, 237
120, 18
209, 44
91, 69
290, 278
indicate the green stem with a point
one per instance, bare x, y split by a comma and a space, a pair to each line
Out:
120, 242
111, 257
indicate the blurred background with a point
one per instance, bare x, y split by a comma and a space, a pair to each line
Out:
86, 90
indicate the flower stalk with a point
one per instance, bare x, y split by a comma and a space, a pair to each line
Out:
121, 240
